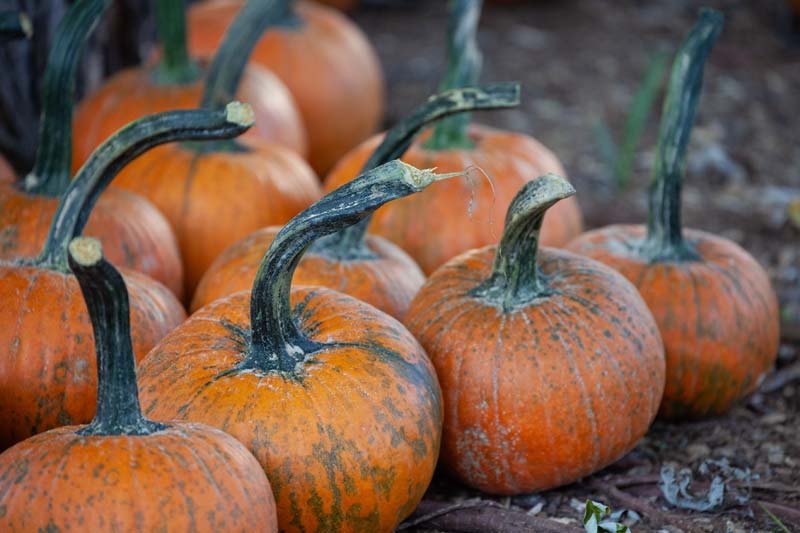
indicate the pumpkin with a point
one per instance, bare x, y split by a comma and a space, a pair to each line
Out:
175, 82
437, 224
344, 5
713, 303
123, 472
135, 234
369, 268
214, 194
46, 352
325, 61
14, 25
550, 363
336, 399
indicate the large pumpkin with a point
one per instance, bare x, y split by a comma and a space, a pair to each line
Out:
452, 217
712, 301
175, 82
214, 194
325, 61
551, 365
135, 234
46, 348
336, 399
124, 472
366, 267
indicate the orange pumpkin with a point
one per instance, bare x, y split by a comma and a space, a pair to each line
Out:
175, 83
325, 61
712, 301
336, 399
438, 224
369, 268
135, 234
46, 352
214, 194
344, 5
551, 365
124, 472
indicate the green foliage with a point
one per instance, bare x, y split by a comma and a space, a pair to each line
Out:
598, 518
619, 157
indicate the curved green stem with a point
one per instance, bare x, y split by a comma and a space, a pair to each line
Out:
242, 36
51, 171
463, 69
515, 279
175, 67
664, 229
349, 243
14, 25
119, 150
277, 344
118, 410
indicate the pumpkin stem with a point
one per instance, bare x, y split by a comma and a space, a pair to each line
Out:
463, 69
349, 244
226, 70
664, 229
118, 410
14, 25
119, 150
51, 171
175, 67
515, 279
277, 344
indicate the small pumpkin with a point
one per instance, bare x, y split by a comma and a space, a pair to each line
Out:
46, 351
551, 365
325, 61
214, 194
175, 82
369, 268
135, 234
336, 399
123, 472
712, 301
434, 226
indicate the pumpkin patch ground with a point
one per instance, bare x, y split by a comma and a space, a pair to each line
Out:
593, 76
742, 177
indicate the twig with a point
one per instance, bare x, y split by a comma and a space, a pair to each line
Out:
479, 516
781, 378
640, 506
787, 513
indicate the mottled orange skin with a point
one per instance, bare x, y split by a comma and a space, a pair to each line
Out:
134, 234
132, 94
213, 199
349, 442
327, 64
188, 477
548, 392
47, 356
453, 216
718, 317
388, 281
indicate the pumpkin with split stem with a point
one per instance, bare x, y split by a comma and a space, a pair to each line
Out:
123, 472
713, 302
551, 365
46, 350
336, 399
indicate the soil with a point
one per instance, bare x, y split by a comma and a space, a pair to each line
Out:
580, 63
